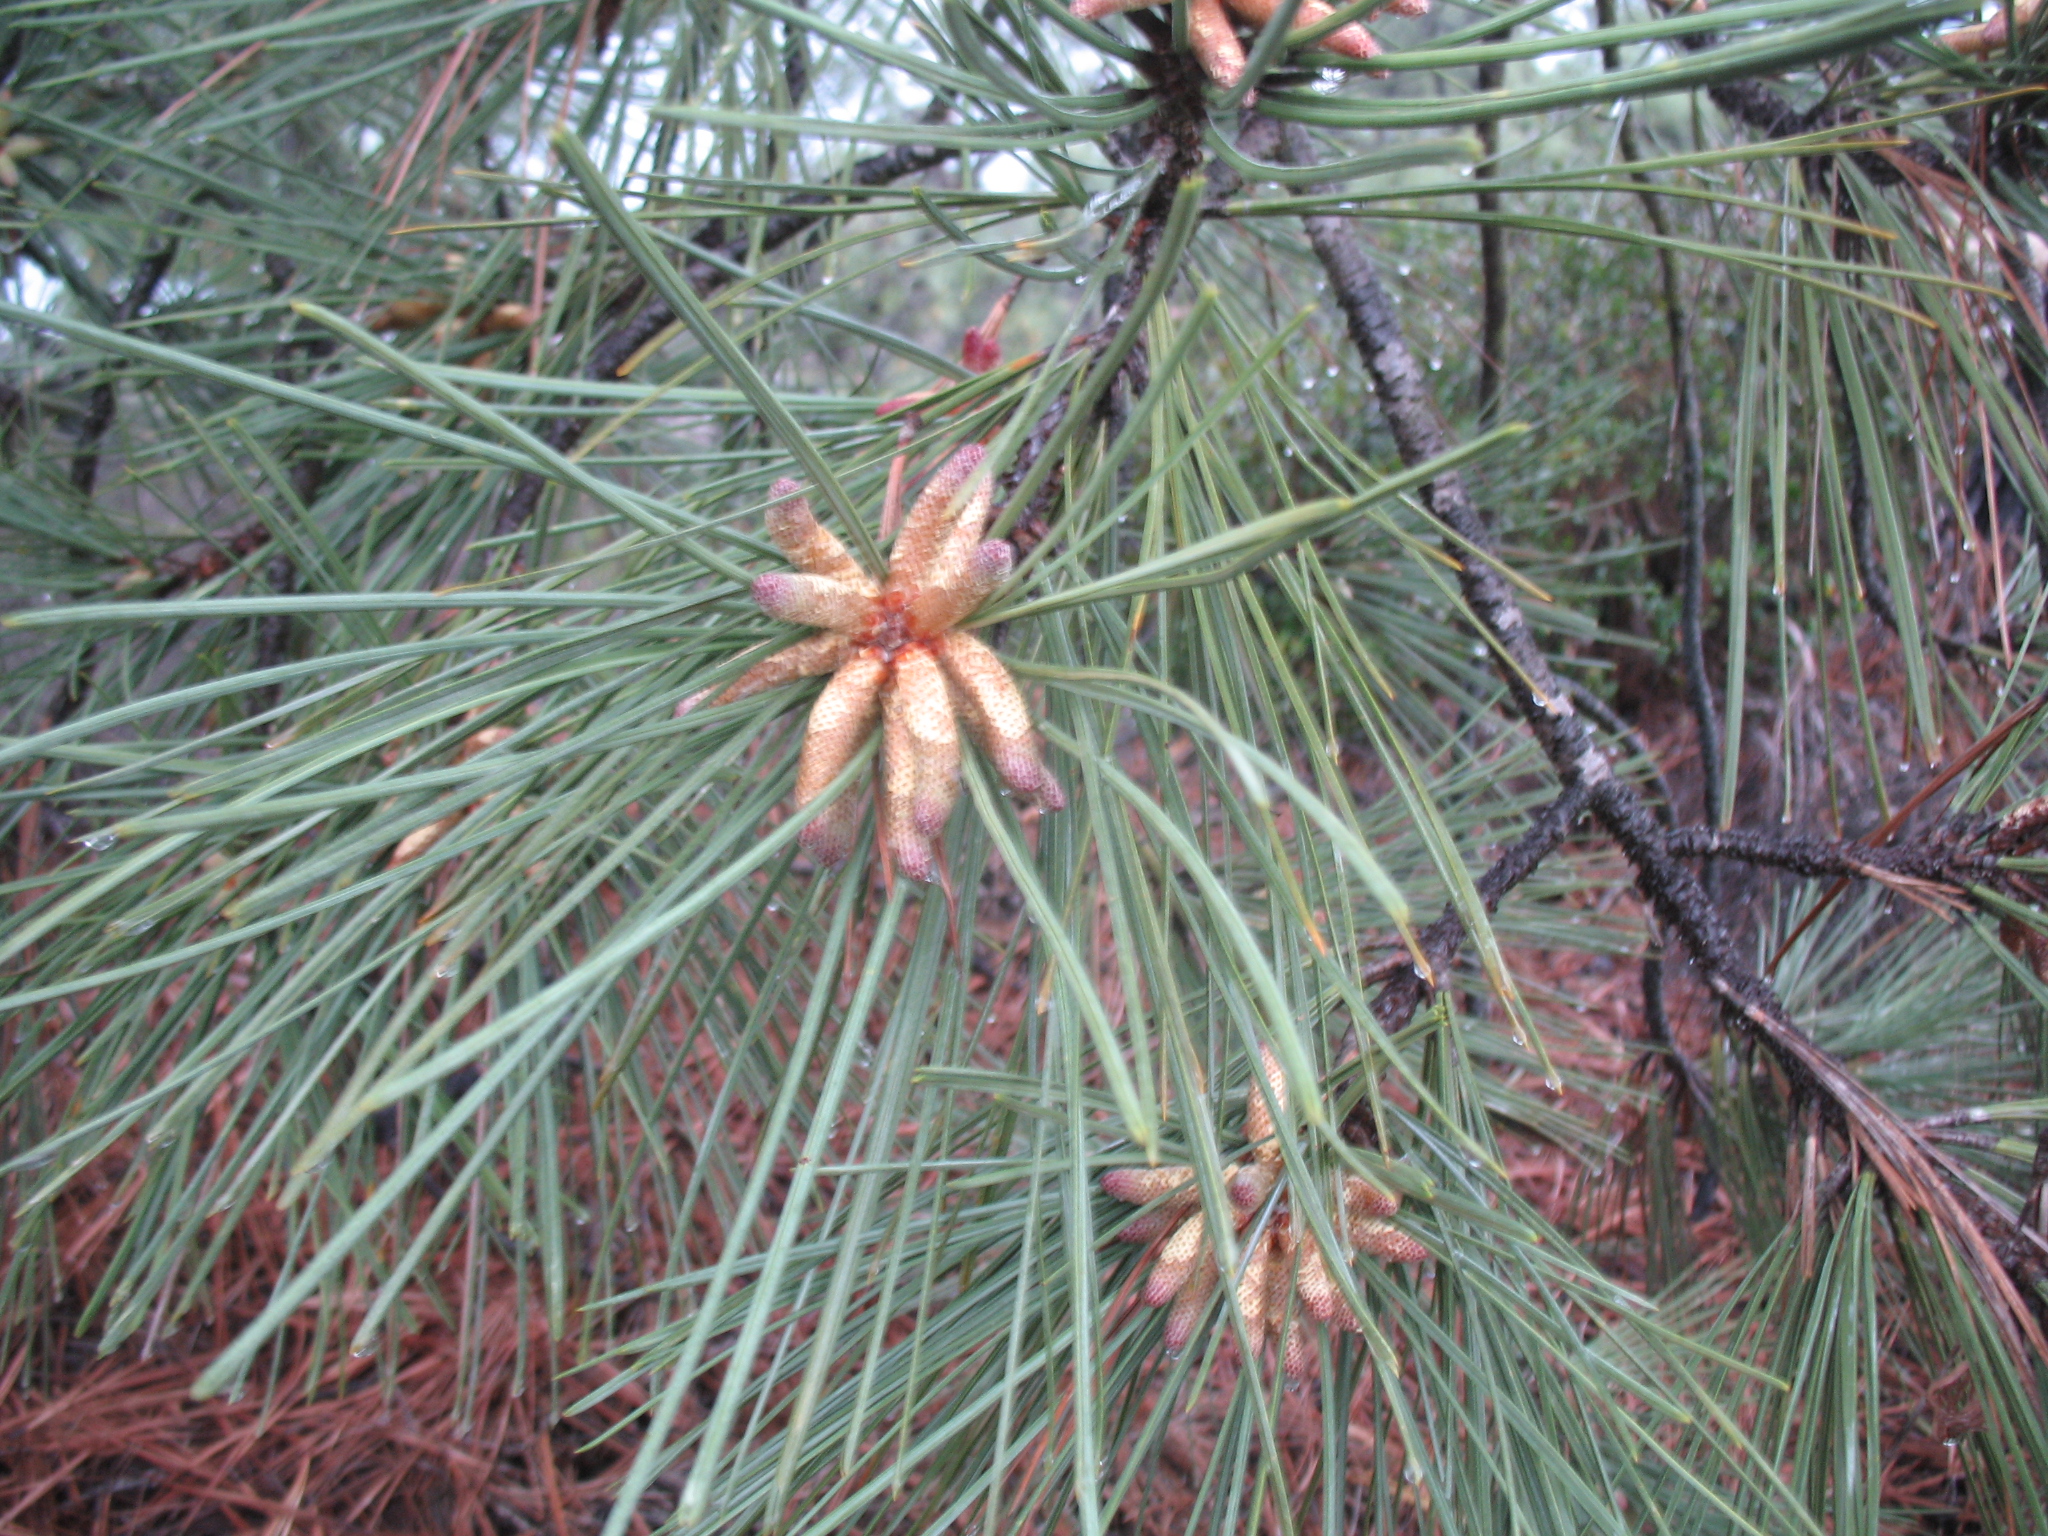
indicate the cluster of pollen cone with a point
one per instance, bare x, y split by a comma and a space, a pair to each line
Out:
897, 663
1212, 28
1286, 1280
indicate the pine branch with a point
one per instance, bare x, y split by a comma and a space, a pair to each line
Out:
1917, 1176
1755, 106
1655, 1019
1172, 136
1604, 715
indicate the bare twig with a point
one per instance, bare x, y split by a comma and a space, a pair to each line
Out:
99, 410
1877, 591
1692, 480
1493, 271
1442, 939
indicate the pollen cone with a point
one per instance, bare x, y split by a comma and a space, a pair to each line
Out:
932, 517
1351, 39
1248, 1186
1385, 1241
960, 537
1191, 1303
818, 602
1177, 1261
840, 723
943, 604
1298, 1358
1362, 1199
829, 836
1156, 1224
1258, 1109
996, 714
908, 847
1319, 1295
1251, 1291
1216, 46
807, 658
920, 690
1141, 1186
809, 545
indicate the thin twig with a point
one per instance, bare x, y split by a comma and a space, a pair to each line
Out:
1692, 479
1442, 939
70, 695
1877, 591
1493, 271
207, 558
1879, 835
99, 409
1172, 136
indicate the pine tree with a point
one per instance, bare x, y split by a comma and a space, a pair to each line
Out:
1120, 769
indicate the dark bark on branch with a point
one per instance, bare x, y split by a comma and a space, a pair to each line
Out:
1768, 115
1755, 105
797, 214
1938, 861
1442, 939
1917, 1176
1655, 1019
1171, 136
71, 694
1666, 806
796, 60
99, 409
1493, 267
